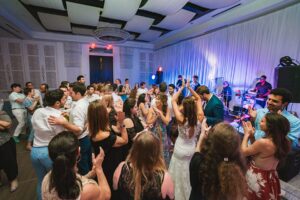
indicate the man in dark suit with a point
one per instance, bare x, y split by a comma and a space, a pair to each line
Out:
213, 107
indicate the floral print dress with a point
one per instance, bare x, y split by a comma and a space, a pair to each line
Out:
262, 184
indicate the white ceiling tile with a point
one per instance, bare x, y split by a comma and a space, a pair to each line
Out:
214, 4
106, 24
149, 35
164, 7
177, 20
120, 9
82, 31
82, 14
138, 24
54, 4
55, 22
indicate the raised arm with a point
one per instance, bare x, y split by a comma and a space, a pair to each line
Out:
256, 147
178, 115
200, 113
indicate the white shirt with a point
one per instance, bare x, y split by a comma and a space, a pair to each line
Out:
141, 91
43, 131
13, 97
118, 102
37, 93
78, 115
92, 97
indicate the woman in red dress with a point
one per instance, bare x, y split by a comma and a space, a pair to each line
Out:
265, 154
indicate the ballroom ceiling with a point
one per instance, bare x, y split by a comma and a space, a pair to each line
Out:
145, 20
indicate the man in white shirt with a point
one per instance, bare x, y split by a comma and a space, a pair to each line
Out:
16, 99
78, 125
44, 132
142, 89
127, 86
37, 93
81, 79
90, 94
118, 102
69, 100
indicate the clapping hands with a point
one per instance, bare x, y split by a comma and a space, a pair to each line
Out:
249, 130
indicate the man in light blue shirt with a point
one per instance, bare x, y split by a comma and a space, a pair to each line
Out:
16, 99
278, 101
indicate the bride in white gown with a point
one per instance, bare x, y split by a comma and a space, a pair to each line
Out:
189, 125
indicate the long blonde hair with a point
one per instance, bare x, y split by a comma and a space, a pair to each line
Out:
145, 145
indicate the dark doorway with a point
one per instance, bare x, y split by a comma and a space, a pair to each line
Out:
101, 69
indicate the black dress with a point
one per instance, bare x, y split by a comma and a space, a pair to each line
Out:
137, 127
196, 184
151, 191
113, 155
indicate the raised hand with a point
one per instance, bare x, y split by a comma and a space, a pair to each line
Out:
120, 117
183, 83
97, 161
188, 84
157, 111
252, 112
249, 130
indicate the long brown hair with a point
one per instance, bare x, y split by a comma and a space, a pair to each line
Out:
223, 168
164, 100
108, 100
146, 145
277, 128
97, 117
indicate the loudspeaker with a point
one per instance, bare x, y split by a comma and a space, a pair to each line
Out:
159, 77
289, 78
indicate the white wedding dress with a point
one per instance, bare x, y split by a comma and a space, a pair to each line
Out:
180, 161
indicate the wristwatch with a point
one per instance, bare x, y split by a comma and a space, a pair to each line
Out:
122, 126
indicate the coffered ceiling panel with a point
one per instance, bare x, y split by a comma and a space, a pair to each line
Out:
82, 31
149, 35
120, 9
164, 7
83, 14
214, 4
55, 22
138, 24
177, 20
54, 4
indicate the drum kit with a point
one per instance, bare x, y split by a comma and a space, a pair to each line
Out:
250, 100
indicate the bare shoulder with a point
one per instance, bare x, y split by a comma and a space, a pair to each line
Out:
128, 123
90, 191
267, 145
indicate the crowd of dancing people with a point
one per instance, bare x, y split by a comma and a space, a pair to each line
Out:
114, 141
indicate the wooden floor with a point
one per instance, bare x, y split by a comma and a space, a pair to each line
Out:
27, 178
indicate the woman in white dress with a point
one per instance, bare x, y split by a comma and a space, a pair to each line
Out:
189, 125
